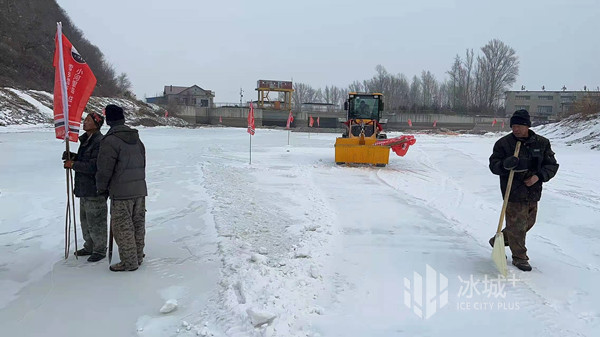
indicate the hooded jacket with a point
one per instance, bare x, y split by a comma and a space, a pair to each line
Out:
535, 158
85, 165
122, 164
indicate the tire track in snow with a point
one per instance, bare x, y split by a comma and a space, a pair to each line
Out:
273, 247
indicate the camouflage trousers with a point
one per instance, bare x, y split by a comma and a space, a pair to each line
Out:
92, 214
128, 223
520, 218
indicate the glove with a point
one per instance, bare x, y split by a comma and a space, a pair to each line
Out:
68, 164
73, 155
510, 162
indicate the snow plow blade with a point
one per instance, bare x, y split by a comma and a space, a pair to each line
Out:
349, 150
399, 145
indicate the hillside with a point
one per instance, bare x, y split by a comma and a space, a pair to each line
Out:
18, 107
576, 129
27, 47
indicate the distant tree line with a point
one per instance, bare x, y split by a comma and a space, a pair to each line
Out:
27, 48
475, 84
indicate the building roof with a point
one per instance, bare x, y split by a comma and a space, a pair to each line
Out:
173, 90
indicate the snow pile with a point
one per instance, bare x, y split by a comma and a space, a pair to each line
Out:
26, 107
576, 129
274, 250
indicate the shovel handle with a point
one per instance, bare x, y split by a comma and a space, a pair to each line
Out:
110, 245
508, 187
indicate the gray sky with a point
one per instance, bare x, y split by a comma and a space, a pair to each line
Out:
227, 44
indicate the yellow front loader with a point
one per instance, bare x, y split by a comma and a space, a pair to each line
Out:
364, 142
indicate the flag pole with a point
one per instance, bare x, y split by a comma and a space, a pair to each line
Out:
69, 177
65, 108
250, 149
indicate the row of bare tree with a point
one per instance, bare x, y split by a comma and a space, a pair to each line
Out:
476, 84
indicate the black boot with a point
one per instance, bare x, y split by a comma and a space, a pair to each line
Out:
95, 257
493, 239
523, 265
82, 252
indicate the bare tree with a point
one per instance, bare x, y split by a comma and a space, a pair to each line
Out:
468, 67
415, 93
498, 70
430, 88
299, 96
356, 86
123, 84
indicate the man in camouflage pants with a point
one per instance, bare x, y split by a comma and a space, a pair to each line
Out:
92, 206
122, 174
534, 165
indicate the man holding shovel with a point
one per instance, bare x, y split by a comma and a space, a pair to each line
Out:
534, 165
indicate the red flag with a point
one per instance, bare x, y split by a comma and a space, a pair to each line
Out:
318, 122
251, 120
435, 123
409, 123
503, 124
494, 122
73, 85
311, 122
220, 119
166, 114
289, 120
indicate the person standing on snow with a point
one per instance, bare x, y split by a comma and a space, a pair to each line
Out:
92, 206
534, 165
122, 174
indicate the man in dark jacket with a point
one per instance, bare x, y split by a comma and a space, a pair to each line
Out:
122, 174
92, 206
534, 165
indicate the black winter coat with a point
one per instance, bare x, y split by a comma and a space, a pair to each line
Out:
122, 164
85, 165
535, 158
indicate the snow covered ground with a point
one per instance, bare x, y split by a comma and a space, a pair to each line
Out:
294, 245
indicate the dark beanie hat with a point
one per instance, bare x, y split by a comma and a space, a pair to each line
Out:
520, 117
114, 115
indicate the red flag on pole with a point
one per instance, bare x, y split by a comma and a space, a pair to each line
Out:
73, 86
166, 114
289, 120
311, 122
494, 122
503, 124
251, 120
318, 121
220, 119
435, 123
409, 123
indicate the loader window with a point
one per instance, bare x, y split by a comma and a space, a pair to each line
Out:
364, 108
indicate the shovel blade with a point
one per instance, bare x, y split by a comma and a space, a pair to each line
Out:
499, 254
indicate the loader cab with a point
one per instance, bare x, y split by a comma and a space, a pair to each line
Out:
364, 106
363, 115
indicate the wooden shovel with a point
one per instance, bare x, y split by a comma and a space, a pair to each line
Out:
498, 253
110, 245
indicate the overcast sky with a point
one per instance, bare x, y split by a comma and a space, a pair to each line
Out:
227, 44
